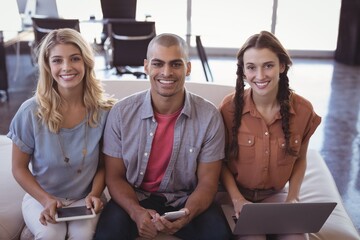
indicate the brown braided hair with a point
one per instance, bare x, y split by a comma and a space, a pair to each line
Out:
259, 41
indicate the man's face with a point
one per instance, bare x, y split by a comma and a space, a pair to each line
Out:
167, 69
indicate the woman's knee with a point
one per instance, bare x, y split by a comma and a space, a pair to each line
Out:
50, 232
82, 229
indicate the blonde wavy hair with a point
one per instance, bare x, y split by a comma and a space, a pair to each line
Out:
47, 94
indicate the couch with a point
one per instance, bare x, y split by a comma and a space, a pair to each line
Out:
318, 184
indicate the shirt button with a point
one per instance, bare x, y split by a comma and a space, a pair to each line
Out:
249, 141
267, 151
296, 141
145, 154
191, 150
151, 134
141, 173
266, 133
283, 145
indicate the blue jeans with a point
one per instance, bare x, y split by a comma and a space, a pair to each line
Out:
116, 224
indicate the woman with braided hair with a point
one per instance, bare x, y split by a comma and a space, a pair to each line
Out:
268, 129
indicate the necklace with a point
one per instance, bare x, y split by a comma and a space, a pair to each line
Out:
83, 151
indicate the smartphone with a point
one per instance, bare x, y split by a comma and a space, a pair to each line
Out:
74, 213
172, 216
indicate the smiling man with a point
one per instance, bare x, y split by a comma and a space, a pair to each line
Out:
163, 150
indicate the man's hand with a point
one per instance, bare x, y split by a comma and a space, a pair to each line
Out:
171, 227
145, 224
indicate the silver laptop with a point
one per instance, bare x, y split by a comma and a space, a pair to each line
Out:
278, 218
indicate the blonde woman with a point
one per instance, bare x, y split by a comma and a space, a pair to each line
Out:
59, 132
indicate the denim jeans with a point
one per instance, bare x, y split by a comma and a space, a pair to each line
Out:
116, 224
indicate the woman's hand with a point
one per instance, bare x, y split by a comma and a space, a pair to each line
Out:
94, 202
48, 214
238, 205
292, 200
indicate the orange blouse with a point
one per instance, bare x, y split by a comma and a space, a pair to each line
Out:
262, 162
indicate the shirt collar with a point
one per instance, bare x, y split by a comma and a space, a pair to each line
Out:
148, 112
249, 105
187, 104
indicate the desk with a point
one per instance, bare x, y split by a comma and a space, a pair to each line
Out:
25, 35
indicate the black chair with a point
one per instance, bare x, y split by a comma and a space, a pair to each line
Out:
42, 26
204, 60
117, 9
128, 45
4, 85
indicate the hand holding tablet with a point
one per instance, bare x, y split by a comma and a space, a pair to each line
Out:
74, 213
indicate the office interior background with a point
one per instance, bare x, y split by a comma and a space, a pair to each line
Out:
309, 29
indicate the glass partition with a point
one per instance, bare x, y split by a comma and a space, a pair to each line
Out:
305, 25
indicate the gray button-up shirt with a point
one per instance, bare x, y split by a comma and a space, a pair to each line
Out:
198, 137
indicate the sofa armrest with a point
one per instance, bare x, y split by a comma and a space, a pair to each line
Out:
319, 186
11, 195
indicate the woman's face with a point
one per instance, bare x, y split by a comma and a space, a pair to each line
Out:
262, 70
67, 66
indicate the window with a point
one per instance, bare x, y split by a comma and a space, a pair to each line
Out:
305, 25
170, 16
308, 24
229, 23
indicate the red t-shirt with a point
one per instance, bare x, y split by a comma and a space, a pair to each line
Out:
160, 151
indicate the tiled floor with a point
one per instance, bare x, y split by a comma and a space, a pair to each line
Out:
333, 89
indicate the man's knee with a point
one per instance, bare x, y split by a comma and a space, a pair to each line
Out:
114, 223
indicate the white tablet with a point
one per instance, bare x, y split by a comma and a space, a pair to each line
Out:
74, 213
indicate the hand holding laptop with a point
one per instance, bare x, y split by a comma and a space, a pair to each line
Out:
238, 205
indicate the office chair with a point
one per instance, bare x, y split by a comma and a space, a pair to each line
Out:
128, 45
4, 85
42, 26
204, 60
117, 9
